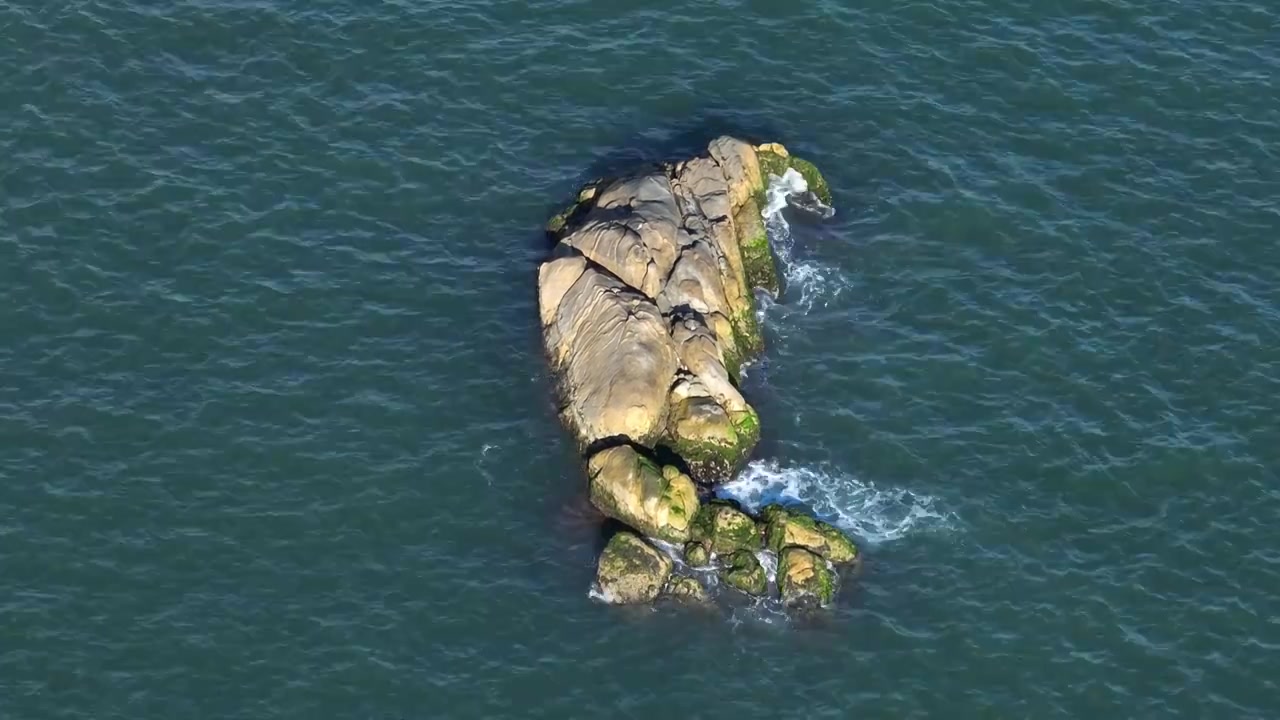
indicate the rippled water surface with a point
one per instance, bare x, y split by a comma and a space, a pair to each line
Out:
278, 441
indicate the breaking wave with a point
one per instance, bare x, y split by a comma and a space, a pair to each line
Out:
873, 514
807, 283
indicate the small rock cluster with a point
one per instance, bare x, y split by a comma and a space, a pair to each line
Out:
729, 541
648, 316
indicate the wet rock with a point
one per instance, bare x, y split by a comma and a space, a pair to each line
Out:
804, 580
725, 528
687, 589
786, 528
744, 572
696, 554
631, 570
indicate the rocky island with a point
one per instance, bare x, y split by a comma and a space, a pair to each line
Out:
648, 316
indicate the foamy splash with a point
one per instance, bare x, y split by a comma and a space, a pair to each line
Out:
808, 282
873, 514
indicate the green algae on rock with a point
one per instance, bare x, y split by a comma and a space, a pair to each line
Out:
758, 262
725, 528
804, 578
631, 570
786, 528
686, 589
696, 553
713, 444
774, 163
745, 573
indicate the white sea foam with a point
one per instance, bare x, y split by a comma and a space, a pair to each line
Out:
875, 515
789, 183
808, 283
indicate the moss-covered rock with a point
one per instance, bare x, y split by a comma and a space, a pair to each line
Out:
686, 589
713, 444
758, 262
804, 578
628, 487
747, 425
787, 528
725, 528
562, 221
771, 511
774, 163
631, 570
744, 572
748, 342
696, 554
813, 178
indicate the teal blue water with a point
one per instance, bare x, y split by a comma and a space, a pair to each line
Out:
277, 438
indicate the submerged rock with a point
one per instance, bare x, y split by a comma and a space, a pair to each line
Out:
631, 570
725, 528
744, 572
785, 528
628, 487
804, 579
687, 589
809, 202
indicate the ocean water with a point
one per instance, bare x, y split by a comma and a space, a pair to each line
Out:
277, 438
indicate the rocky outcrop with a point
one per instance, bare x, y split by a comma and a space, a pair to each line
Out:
648, 315
631, 570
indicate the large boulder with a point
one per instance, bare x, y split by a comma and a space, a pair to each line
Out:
709, 202
648, 315
631, 570
695, 282
804, 579
725, 528
630, 488
785, 528
611, 350
744, 572
713, 443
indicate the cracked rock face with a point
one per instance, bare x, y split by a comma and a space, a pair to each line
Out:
647, 287
611, 351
